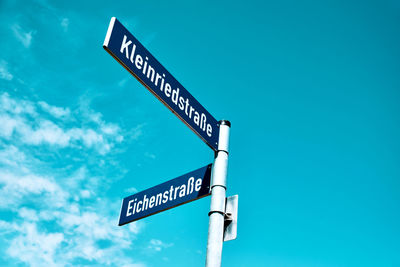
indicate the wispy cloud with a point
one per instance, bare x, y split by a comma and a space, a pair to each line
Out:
9, 105
150, 155
4, 73
135, 227
64, 24
11, 156
122, 82
46, 133
131, 190
25, 37
158, 245
71, 218
14, 123
28, 214
31, 243
55, 161
15, 187
57, 112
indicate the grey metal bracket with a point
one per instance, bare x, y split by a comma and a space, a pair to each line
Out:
231, 215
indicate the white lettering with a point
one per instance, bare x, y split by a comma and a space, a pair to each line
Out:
190, 186
133, 52
176, 190
124, 46
170, 193
151, 203
198, 184
158, 76
141, 62
181, 103
152, 71
203, 122
165, 197
175, 95
190, 112
162, 82
128, 213
138, 62
209, 130
182, 190
137, 207
158, 199
196, 118
145, 203
167, 89
145, 65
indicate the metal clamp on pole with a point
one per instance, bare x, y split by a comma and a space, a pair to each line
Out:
218, 198
231, 215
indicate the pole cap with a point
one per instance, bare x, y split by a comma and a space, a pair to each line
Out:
225, 122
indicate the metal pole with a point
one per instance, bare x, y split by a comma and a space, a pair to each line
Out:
218, 197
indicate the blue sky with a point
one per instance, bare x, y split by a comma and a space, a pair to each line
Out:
311, 89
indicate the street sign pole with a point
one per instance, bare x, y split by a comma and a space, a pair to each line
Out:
218, 198
134, 57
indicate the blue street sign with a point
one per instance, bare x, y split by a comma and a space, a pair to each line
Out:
178, 191
134, 57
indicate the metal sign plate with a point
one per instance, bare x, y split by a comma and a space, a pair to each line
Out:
134, 57
186, 188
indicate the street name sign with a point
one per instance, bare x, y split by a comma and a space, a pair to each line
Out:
135, 58
186, 188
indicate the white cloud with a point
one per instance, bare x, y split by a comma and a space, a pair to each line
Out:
9, 105
135, 227
109, 128
14, 188
4, 73
7, 125
65, 24
57, 112
150, 155
158, 245
35, 248
59, 217
90, 227
47, 132
75, 179
11, 156
82, 226
131, 190
13, 120
136, 132
24, 37
28, 214
85, 193
6, 227
29, 184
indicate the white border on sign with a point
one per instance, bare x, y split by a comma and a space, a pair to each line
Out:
109, 31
